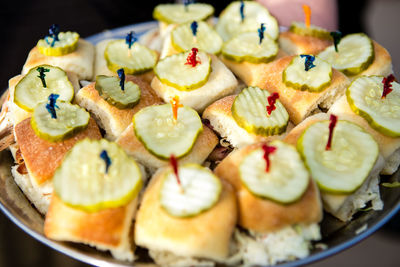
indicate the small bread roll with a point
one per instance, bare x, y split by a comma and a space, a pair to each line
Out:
263, 215
296, 44
100, 63
221, 82
108, 229
79, 62
299, 104
204, 145
382, 64
220, 116
343, 206
206, 235
389, 146
110, 118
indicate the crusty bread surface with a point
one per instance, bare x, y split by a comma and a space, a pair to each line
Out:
42, 157
206, 235
295, 44
299, 104
79, 62
108, 229
221, 82
112, 119
263, 215
204, 145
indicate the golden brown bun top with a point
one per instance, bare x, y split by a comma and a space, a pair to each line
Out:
307, 44
206, 235
263, 215
297, 103
66, 223
43, 157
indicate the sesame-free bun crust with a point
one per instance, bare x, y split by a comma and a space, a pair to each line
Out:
108, 229
42, 157
112, 119
206, 235
295, 44
79, 62
204, 145
263, 215
299, 104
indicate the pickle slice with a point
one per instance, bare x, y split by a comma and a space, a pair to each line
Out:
70, 120
285, 182
206, 39
138, 59
247, 47
199, 190
301, 29
364, 96
174, 71
155, 127
315, 79
230, 21
355, 54
249, 112
110, 90
179, 14
344, 167
30, 90
68, 41
86, 181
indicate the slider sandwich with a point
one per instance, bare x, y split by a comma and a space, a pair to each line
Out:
252, 116
304, 38
161, 130
42, 141
187, 217
372, 102
128, 54
65, 50
95, 198
305, 84
114, 100
356, 55
343, 159
197, 78
279, 205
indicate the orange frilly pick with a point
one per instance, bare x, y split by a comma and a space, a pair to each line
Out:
175, 105
307, 15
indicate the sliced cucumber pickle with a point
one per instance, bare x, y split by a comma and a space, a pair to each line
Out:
174, 71
315, 79
86, 182
70, 120
110, 90
364, 97
230, 21
207, 39
68, 42
301, 29
249, 111
343, 168
355, 54
247, 47
179, 14
30, 90
199, 190
285, 182
138, 59
155, 127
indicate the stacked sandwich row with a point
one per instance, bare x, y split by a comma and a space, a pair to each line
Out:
203, 143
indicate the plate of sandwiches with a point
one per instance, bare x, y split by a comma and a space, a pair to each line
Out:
195, 141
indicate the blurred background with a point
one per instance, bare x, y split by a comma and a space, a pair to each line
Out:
24, 22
